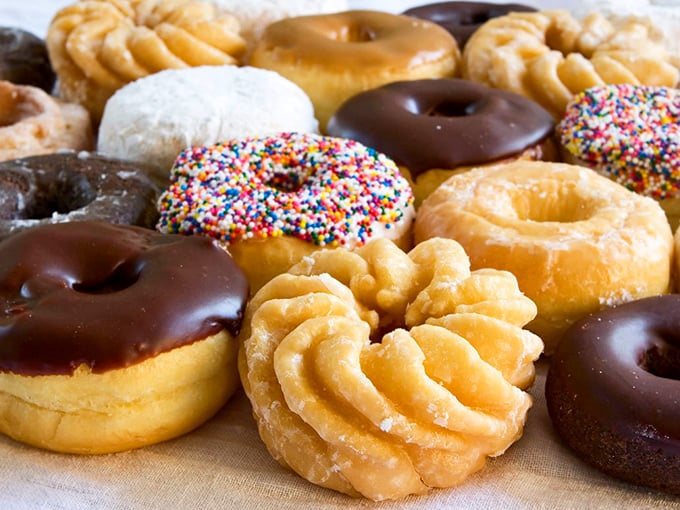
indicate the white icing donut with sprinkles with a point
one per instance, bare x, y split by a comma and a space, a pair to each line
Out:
273, 200
631, 134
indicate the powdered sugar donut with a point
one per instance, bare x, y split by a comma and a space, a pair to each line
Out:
273, 200
154, 118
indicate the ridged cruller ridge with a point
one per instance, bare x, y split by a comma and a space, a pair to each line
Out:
382, 374
97, 46
550, 56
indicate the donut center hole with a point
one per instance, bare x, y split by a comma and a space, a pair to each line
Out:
287, 179
16, 106
550, 204
60, 196
451, 109
662, 360
355, 34
123, 277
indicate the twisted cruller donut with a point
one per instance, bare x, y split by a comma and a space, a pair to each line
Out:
424, 405
97, 46
550, 56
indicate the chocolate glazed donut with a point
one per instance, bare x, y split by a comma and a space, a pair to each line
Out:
613, 391
62, 187
462, 19
24, 59
109, 296
442, 123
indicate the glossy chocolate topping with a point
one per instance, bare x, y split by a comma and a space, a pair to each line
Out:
462, 19
613, 391
61, 187
442, 123
110, 296
24, 59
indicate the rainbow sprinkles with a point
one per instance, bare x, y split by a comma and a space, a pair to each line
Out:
323, 190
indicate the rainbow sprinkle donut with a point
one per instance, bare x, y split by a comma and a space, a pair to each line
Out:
629, 133
296, 192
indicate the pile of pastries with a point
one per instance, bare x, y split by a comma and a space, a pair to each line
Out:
374, 223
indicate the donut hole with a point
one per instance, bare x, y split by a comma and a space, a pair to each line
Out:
16, 106
123, 277
61, 196
355, 33
553, 203
662, 360
451, 109
289, 178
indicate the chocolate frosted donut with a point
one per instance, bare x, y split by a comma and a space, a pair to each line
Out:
612, 391
461, 19
443, 124
70, 186
24, 59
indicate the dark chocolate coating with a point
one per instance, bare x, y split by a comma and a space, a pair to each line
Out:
77, 187
110, 296
24, 59
462, 19
442, 123
613, 391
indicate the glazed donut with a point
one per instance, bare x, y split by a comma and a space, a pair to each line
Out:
97, 46
550, 56
462, 19
32, 122
414, 123
273, 200
629, 133
576, 241
382, 374
24, 59
335, 56
114, 336
155, 118
65, 187
611, 391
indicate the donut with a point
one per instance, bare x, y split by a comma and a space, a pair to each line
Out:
611, 392
32, 122
113, 336
576, 241
629, 133
435, 128
155, 118
24, 59
550, 56
65, 187
97, 46
273, 200
462, 19
335, 56
381, 374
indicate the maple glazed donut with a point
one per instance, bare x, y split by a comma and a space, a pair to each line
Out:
69, 186
114, 337
24, 59
462, 19
576, 241
612, 389
273, 200
334, 56
413, 122
629, 133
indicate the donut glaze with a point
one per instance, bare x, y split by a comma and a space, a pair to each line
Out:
70, 186
442, 123
462, 19
612, 391
24, 59
88, 293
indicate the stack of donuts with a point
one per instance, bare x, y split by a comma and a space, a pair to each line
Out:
375, 223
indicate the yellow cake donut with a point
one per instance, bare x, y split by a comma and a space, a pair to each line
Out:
97, 46
32, 122
334, 56
381, 374
575, 240
550, 56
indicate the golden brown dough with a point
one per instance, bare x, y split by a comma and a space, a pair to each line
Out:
425, 405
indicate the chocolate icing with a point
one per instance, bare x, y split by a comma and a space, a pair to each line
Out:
462, 19
442, 123
110, 296
73, 187
613, 391
24, 59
